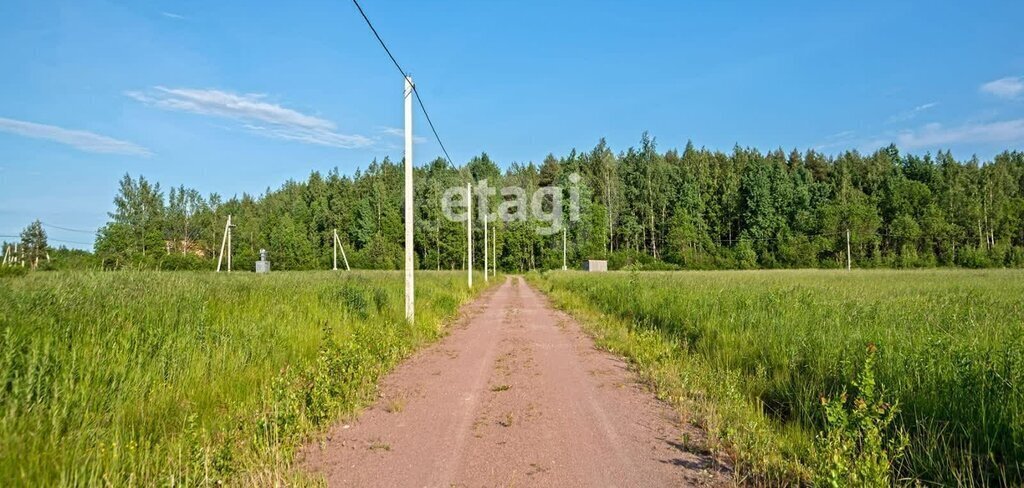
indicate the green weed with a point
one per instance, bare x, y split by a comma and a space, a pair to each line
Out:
858, 447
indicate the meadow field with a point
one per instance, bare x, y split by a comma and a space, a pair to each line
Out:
148, 378
754, 357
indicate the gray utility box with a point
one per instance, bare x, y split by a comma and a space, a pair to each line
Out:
263, 266
595, 265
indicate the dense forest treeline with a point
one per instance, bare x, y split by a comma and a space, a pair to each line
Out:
642, 208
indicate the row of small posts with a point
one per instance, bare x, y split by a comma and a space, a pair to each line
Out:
12, 256
490, 269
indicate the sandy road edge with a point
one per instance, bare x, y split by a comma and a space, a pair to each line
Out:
692, 427
297, 472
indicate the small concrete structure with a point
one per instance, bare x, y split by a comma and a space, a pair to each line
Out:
595, 265
263, 266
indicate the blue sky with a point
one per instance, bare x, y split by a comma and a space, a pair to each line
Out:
235, 97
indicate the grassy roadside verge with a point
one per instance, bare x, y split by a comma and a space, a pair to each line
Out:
902, 377
194, 378
714, 402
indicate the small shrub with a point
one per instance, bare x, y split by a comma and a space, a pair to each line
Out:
859, 445
746, 256
971, 257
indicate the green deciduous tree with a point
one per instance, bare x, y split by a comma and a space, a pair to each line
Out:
33, 244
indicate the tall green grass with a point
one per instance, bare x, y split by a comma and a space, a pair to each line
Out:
765, 347
193, 378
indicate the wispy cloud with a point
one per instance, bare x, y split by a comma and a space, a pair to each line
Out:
255, 112
1010, 87
845, 139
937, 135
930, 136
910, 114
172, 15
977, 130
78, 139
396, 132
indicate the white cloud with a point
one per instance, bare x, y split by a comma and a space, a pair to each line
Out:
257, 114
842, 135
318, 137
910, 114
931, 136
79, 139
396, 132
172, 15
1009, 87
839, 139
936, 135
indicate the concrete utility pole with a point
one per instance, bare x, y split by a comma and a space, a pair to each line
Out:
337, 245
469, 233
487, 267
849, 259
494, 250
409, 286
343, 256
564, 263
230, 248
225, 243
334, 247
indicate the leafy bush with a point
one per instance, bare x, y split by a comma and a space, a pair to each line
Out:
971, 257
68, 259
746, 256
860, 444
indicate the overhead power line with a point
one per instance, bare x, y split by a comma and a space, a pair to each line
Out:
431, 124
62, 241
405, 74
68, 229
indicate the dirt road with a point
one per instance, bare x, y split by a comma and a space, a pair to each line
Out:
516, 395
